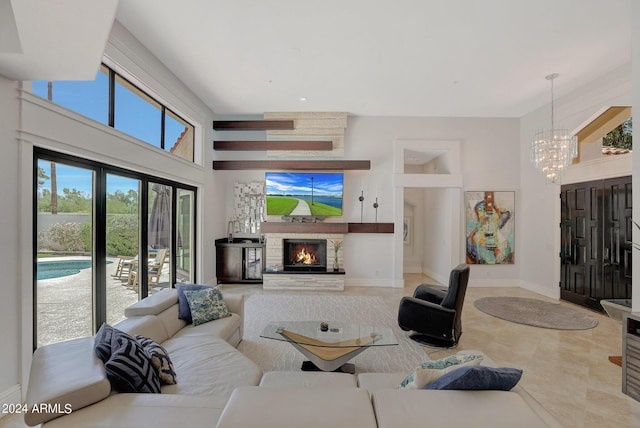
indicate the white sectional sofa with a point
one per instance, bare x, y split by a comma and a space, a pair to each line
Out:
217, 386
208, 367
418, 408
317, 400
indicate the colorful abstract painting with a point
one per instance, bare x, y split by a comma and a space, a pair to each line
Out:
490, 227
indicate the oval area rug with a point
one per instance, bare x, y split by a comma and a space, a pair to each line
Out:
537, 313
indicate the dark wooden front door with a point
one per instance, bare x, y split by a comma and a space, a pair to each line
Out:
596, 241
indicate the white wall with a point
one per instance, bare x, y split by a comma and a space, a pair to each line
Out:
414, 203
438, 222
10, 248
539, 216
490, 153
27, 121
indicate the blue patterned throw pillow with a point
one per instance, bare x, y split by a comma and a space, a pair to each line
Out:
159, 359
431, 370
102, 342
478, 378
184, 311
129, 368
206, 305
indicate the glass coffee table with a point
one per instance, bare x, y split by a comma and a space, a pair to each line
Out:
331, 349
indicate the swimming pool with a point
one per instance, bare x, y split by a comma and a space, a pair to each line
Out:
60, 268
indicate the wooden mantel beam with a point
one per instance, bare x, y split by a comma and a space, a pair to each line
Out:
294, 165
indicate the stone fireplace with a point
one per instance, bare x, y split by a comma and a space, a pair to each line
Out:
288, 273
304, 255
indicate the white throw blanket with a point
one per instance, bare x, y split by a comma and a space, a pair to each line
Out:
276, 355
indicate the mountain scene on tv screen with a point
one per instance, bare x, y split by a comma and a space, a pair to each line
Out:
304, 194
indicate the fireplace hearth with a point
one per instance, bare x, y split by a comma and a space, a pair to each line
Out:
308, 255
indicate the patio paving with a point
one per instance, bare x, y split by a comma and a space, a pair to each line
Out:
65, 304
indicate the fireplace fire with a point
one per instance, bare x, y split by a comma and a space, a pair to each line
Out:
305, 255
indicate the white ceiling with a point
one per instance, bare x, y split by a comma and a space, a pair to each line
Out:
53, 40
481, 58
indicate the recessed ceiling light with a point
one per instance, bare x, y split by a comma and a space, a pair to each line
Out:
303, 98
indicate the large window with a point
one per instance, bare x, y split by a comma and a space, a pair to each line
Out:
105, 237
114, 101
90, 97
136, 113
620, 137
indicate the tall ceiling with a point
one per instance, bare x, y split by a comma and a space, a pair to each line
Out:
477, 58
53, 40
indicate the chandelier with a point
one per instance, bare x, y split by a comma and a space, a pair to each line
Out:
553, 150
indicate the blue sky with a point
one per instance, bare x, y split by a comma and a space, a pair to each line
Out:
82, 179
299, 183
133, 115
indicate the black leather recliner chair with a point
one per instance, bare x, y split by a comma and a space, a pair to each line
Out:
434, 313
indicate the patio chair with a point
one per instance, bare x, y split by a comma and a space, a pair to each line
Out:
154, 269
124, 266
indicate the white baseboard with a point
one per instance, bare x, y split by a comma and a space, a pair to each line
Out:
374, 282
444, 280
493, 282
12, 395
553, 293
412, 269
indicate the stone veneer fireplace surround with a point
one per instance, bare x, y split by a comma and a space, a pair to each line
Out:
303, 280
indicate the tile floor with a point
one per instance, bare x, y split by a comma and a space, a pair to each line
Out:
567, 371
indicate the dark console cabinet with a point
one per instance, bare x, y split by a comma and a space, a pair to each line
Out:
241, 260
631, 355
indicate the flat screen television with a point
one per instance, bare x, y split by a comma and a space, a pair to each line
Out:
316, 194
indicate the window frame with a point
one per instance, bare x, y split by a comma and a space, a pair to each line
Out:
101, 170
113, 77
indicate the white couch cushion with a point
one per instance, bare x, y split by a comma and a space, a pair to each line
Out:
375, 381
280, 379
235, 303
146, 325
145, 410
208, 366
170, 320
67, 374
259, 407
154, 303
223, 328
421, 408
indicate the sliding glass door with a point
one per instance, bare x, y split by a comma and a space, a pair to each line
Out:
185, 223
63, 254
104, 238
159, 232
122, 244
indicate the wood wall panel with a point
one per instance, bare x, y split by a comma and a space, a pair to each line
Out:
272, 145
294, 165
251, 125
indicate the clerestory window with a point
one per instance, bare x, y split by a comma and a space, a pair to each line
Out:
607, 132
114, 101
620, 137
